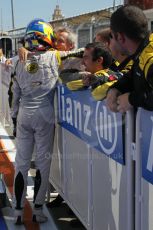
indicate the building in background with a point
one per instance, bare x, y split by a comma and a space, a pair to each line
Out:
147, 7
149, 15
143, 4
87, 24
57, 13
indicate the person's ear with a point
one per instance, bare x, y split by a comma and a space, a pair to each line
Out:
121, 37
72, 46
100, 60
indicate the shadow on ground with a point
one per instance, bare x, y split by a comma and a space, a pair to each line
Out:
64, 218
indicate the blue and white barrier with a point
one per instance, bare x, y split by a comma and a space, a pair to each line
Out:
90, 120
94, 168
144, 170
99, 167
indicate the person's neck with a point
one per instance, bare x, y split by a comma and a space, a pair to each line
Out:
133, 47
97, 69
120, 58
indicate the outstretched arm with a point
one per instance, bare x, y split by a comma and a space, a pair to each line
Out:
23, 54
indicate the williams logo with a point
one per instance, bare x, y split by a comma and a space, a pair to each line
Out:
106, 128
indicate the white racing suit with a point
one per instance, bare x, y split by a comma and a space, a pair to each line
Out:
33, 95
32, 105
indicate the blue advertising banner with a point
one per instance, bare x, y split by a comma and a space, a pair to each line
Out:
91, 121
146, 127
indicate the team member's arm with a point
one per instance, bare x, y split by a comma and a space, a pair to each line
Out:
23, 54
73, 78
122, 86
144, 98
131, 97
100, 83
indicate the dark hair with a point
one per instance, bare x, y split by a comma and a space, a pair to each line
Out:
104, 35
130, 20
100, 50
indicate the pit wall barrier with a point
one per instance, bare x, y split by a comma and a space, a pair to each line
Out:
92, 166
144, 170
102, 162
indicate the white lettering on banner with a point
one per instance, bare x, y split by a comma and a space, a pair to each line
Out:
87, 111
150, 156
107, 124
75, 113
63, 104
69, 111
105, 119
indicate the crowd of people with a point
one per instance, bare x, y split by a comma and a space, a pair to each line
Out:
116, 66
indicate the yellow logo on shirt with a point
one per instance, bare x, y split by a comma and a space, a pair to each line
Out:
32, 67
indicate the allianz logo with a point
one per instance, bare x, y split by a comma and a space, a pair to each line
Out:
88, 121
106, 128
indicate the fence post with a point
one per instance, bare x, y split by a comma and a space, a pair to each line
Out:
129, 134
138, 175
